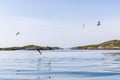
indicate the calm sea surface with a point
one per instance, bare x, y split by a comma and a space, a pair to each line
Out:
60, 65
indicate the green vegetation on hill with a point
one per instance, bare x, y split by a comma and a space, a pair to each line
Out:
112, 44
32, 47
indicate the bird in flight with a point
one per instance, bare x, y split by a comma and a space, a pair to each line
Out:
17, 33
83, 26
98, 24
39, 51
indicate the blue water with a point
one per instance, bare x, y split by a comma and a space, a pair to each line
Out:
60, 65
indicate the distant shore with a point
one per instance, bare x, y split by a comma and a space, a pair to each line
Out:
107, 45
30, 47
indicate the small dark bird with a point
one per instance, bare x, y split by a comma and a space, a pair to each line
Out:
98, 24
39, 51
83, 26
17, 33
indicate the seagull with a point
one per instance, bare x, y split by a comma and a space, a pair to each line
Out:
83, 25
17, 33
39, 51
98, 24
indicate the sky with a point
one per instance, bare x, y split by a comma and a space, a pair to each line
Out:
58, 22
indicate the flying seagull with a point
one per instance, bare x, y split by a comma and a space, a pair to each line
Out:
17, 33
98, 24
39, 51
83, 25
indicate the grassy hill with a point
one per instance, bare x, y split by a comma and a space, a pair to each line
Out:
112, 44
31, 47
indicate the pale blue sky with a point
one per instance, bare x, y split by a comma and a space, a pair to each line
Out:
58, 22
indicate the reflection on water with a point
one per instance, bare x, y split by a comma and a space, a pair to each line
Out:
25, 69
44, 64
60, 65
113, 54
112, 61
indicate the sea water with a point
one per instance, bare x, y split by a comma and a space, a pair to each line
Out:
60, 65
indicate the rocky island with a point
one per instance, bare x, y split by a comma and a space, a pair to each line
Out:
31, 47
108, 45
